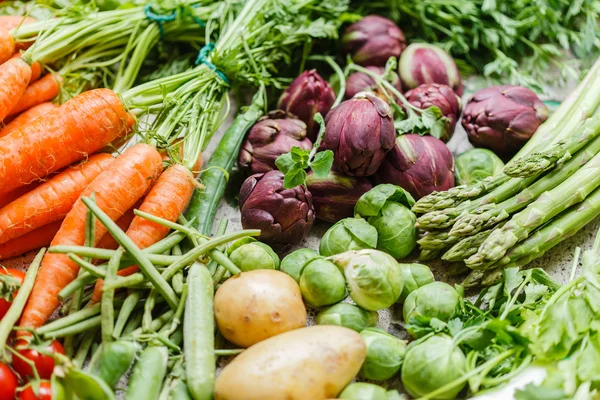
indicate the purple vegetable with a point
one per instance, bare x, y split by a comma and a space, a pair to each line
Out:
273, 135
361, 82
334, 197
503, 118
418, 164
372, 40
424, 63
284, 216
307, 95
441, 96
360, 132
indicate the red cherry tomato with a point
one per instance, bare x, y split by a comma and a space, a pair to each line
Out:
8, 382
45, 392
5, 305
43, 363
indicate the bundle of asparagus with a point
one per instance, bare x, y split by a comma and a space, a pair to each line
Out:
549, 191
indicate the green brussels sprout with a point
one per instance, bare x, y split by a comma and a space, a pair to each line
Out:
374, 278
387, 208
249, 254
434, 300
385, 354
475, 165
431, 364
368, 391
321, 282
415, 276
347, 315
294, 263
348, 234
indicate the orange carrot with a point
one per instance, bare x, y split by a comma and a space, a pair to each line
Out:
15, 194
61, 137
116, 190
41, 237
108, 241
9, 22
26, 117
36, 69
14, 75
52, 200
7, 45
167, 199
37, 93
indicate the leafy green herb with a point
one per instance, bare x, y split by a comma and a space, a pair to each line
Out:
295, 163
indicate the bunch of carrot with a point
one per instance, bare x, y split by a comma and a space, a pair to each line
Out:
24, 94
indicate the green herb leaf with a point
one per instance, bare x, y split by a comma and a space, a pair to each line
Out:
300, 156
285, 163
294, 177
322, 163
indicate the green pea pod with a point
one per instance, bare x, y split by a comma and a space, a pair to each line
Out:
86, 386
148, 374
59, 391
179, 391
199, 334
113, 361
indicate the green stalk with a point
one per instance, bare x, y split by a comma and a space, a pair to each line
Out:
467, 246
108, 296
436, 240
141, 260
76, 328
16, 309
551, 203
130, 303
489, 215
539, 162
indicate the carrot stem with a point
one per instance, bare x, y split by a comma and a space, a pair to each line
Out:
142, 261
12, 316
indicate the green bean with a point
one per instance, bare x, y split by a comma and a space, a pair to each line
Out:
169, 224
74, 329
16, 309
148, 374
78, 316
145, 265
108, 296
199, 333
64, 309
133, 323
76, 284
129, 305
84, 347
177, 281
157, 323
176, 320
193, 254
148, 308
87, 266
165, 244
228, 352
104, 254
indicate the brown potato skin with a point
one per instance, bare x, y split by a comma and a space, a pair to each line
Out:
313, 363
256, 305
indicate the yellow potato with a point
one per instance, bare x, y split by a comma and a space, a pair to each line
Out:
257, 305
313, 363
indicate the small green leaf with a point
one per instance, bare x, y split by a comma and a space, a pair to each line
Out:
294, 177
285, 163
322, 163
430, 116
300, 156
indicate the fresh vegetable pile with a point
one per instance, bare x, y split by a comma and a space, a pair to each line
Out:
106, 109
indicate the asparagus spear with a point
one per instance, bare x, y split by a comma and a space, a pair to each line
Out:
582, 102
572, 191
487, 216
436, 240
467, 246
539, 162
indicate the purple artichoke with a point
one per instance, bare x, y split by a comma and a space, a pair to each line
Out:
372, 40
284, 216
503, 118
360, 132
424, 63
307, 95
334, 197
273, 135
418, 164
361, 82
441, 96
